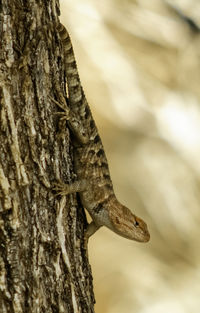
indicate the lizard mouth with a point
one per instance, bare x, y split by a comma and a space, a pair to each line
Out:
147, 237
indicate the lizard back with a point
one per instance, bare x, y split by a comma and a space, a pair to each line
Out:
93, 182
90, 159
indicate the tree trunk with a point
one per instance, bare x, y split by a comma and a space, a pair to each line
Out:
43, 266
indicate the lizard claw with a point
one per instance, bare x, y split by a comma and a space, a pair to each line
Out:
65, 115
85, 243
61, 189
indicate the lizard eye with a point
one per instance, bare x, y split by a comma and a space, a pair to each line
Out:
136, 224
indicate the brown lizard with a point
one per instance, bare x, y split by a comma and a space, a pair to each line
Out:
93, 177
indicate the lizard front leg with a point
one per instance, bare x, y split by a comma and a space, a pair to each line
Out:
77, 186
91, 229
66, 189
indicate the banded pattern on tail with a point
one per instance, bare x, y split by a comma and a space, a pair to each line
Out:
93, 177
91, 158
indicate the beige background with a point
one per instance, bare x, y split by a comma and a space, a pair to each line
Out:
140, 67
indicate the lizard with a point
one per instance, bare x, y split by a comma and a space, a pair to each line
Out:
93, 183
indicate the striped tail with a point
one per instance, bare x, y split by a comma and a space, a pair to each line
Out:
77, 100
75, 90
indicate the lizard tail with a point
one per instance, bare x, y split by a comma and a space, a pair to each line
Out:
75, 90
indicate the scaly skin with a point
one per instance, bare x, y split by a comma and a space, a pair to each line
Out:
91, 166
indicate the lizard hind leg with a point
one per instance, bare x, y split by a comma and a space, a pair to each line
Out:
73, 122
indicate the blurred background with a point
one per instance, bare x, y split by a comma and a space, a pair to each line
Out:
139, 63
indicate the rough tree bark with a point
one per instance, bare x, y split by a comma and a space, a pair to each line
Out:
43, 267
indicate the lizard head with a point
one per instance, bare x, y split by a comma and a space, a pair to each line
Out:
128, 225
